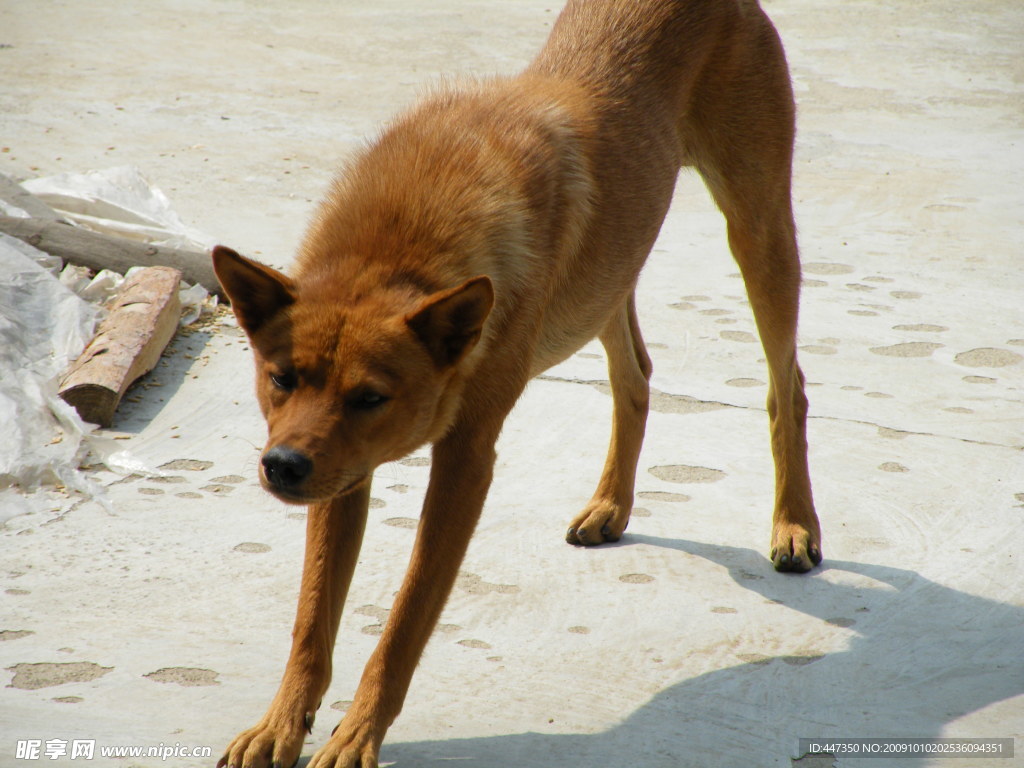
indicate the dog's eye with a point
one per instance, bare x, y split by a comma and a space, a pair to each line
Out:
285, 381
368, 400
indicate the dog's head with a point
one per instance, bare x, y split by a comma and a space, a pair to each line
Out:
345, 387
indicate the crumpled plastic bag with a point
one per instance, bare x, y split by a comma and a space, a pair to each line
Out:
43, 327
118, 201
48, 315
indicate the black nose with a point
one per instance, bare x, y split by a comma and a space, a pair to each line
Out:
286, 468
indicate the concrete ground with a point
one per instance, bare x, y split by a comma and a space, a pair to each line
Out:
166, 622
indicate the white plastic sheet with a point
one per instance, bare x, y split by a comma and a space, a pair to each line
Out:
118, 201
43, 326
47, 316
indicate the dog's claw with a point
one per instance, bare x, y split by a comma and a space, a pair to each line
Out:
270, 746
795, 547
600, 522
786, 563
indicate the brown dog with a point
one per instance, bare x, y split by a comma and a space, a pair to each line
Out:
486, 236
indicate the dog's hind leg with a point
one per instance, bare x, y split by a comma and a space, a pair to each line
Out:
629, 367
770, 268
334, 532
739, 132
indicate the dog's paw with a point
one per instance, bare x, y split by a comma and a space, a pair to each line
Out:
350, 746
599, 522
795, 548
275, 742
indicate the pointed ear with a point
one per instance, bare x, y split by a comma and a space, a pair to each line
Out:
257, 292
450, 322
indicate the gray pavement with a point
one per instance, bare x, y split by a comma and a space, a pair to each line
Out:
166, 620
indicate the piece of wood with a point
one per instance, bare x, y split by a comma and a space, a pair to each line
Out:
143, 316
12, 192
98, 251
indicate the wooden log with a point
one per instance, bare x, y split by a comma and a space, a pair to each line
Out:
12, 192
98, 251
143, 316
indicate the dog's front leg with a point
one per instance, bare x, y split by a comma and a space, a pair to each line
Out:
463, 463
334, 532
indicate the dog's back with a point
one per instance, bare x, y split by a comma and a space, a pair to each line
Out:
626, 48
555, 183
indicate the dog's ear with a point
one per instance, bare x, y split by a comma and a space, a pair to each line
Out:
450, 322
257, 292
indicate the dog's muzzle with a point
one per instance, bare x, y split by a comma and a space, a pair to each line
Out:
285, 468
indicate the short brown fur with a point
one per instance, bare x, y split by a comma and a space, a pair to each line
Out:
487, 235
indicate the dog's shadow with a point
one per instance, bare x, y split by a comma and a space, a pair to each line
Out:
921, 656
